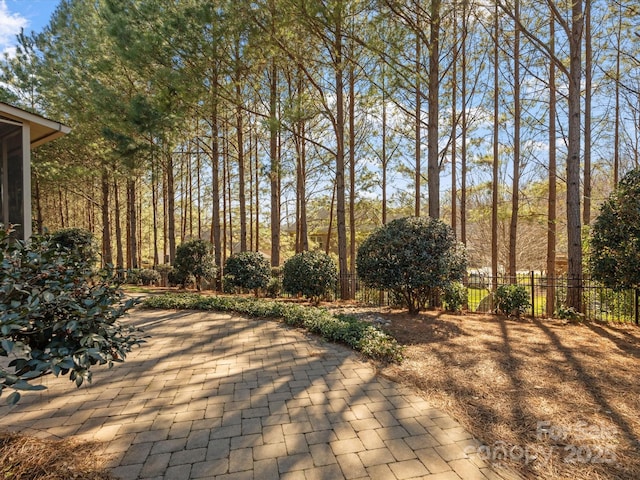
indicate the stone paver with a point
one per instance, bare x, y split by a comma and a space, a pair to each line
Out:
219, 396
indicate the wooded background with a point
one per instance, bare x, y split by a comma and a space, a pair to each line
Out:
286, 125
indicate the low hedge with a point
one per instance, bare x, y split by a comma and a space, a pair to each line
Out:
358, 334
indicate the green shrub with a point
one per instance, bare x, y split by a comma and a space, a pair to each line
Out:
132, 276
180, 279
149, 276
229, 284
360, 335
80, 244
455, 296
614, 245
310, 274
415, 257
194, 260
569, 313
248, 270
56, 314
274, 287
511, 299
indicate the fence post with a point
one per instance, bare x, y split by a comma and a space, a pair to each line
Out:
533, 295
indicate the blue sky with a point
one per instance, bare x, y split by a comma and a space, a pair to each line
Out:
32, 15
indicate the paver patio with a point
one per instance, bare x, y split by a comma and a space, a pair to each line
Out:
219, 396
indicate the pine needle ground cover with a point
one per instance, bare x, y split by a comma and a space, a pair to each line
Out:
551, 399
25, 457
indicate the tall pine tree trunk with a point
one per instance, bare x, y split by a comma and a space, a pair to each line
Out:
256, 172
496, 152
616, 128
154, 212
340, 154
274, 174
352, 178
215, 176
242, 199
454, 125
433, 167
132, 245
119, 246
107, 258
574, 230
551, 207
418, 119
171, 208
588, 81
517, 110
385, 159
464, 126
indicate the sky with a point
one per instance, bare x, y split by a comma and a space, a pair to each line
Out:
32, 15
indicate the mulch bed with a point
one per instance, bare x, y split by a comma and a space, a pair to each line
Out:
548, 398
31, 458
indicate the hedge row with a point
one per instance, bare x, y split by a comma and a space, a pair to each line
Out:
359, 335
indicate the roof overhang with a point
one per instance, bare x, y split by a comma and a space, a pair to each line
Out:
42, 129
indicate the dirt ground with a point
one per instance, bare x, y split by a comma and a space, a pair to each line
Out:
551, 399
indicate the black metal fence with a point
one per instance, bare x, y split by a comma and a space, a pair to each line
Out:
599, 303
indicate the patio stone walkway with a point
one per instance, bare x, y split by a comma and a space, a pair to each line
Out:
219, 396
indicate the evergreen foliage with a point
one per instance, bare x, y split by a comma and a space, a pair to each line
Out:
415, 257
455, 296
511, 299
56, 315
249, 270
148, 276
358, 334
615, 237
310, 274
80, 244
194, 260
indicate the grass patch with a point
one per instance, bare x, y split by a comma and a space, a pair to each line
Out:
358, 334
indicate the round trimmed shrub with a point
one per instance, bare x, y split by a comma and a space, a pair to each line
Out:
194, 260
415, 257
249, 270
310, 274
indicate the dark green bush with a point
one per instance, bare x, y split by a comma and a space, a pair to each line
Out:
80, 244
360, 335
568, 313
274, 287
415, 257
132, 276
180, 279
248, 270
194, 260
228, 285
614, 245
455, 296
149, 276
57, 315
511, 299
310, 274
